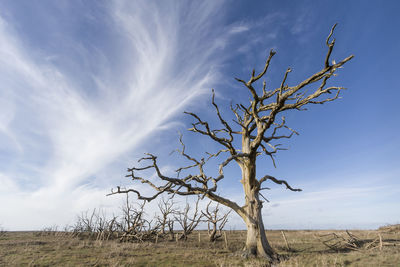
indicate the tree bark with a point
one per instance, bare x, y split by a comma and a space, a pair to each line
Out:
257, 244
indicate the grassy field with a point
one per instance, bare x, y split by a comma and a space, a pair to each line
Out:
305, 249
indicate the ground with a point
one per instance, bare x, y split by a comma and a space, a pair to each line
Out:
305, 249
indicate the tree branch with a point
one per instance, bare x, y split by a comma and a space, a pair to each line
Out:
273, 179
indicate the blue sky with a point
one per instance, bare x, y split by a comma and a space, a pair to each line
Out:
86, 87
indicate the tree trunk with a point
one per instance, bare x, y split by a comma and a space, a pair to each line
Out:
213, 235
256, 242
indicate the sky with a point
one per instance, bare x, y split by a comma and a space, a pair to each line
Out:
87, 87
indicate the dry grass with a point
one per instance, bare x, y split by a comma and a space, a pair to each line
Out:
306, 249
310, 251
391, 228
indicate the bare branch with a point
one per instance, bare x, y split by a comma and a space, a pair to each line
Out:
330, 46
226, 125
273, 179
263, 197
254, 79
223, 141
183, 186
283, 86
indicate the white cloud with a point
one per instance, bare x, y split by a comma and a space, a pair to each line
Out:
7, 184
67, 137
239, 29
357, 205
64, 144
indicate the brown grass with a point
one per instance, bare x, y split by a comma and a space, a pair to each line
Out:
306, 249
391, 228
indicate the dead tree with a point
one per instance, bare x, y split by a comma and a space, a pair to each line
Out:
129, 213
188, 221
258, 128
167, 209
139, 228
215, 221
86, 224
94, 224
107, 228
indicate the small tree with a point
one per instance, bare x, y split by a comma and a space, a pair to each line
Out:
139, 228
258, 130
188, 221
167, 209
215, 221
129, 214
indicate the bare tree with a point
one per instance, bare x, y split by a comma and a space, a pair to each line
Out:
215, 221
92, 224
167, 209
129, 213
139, 228
258, 128
188, 221
86, 223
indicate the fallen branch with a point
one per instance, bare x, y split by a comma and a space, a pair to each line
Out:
339, 243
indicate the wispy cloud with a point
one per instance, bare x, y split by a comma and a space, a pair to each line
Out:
61, 135
239, 29
83, 94
355, 205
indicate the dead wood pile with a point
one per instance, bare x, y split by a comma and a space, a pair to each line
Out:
350, 242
